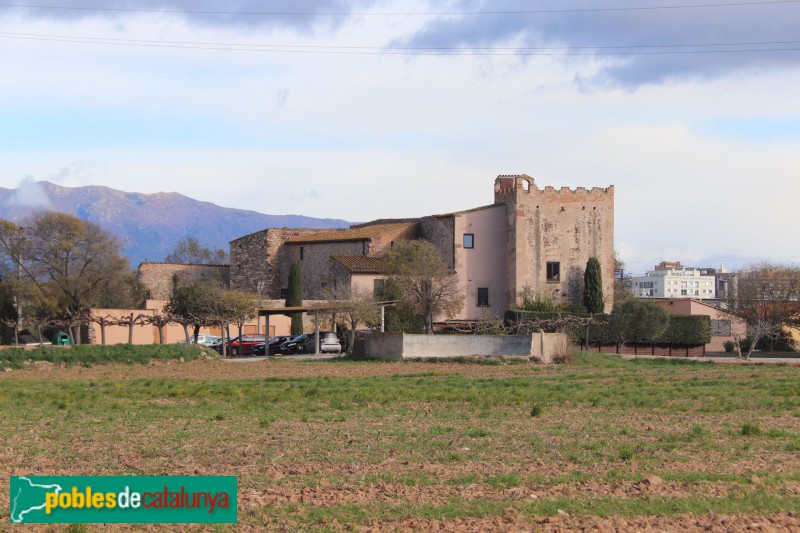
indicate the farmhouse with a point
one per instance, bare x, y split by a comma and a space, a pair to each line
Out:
529, 240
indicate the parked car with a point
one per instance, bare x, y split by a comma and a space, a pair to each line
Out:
274, 345
205, 340
328, 342
294, 345
244, 345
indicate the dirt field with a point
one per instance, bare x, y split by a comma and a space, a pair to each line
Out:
600, 444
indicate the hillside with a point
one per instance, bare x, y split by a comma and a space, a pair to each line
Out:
148, 224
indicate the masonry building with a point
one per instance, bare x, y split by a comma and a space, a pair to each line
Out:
529, 240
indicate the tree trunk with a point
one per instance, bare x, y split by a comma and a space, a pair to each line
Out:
160, 334
186, 331
102, 332
196, 332
130, 329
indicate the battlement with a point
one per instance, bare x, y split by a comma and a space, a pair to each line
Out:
509, 188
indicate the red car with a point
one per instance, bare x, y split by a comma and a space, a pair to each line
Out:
244, 345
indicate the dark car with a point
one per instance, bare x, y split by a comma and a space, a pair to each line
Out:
274, 345
294, 345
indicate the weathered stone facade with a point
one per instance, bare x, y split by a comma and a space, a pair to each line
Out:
159, 279
564, 227
256, 258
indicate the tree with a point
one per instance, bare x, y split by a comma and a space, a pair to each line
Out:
622, 285
766, 297
593, 287
189, 251
636, 320
294, 296
355, 306
189, 306
71, 263
426, 282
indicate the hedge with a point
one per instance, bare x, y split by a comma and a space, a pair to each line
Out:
682, 330
88, 355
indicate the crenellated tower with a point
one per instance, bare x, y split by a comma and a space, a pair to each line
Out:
551, 234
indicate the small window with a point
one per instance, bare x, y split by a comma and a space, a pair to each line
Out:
377, 288
553, 271
301, 253
720, 328
483, 296
284, 293
469, 240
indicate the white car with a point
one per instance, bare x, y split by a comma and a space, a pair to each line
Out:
201, 339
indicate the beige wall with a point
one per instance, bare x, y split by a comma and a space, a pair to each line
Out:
683, 306
484, 265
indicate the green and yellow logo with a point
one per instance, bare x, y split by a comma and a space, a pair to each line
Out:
123, 499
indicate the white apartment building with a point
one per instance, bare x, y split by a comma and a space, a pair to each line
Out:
675, 283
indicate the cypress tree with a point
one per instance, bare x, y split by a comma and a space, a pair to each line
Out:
593, 287
294, 296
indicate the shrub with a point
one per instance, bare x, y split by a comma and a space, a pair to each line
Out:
729, 346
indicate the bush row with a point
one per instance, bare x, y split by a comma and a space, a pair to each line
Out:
682, 330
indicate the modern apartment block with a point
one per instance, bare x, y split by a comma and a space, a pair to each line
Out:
671, 280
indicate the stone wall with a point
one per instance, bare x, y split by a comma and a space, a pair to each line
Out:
440, 230
257, 258
565, 226
318, 270
160, 278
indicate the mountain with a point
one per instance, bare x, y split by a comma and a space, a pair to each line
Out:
148, 225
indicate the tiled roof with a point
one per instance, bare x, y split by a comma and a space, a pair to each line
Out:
361, 264
353, 234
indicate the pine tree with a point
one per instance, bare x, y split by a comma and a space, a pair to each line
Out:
294, 296
593, 287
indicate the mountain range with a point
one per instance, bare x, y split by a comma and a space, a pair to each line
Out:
148, 225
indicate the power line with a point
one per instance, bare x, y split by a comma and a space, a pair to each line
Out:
408, 13
401, 48
374, 50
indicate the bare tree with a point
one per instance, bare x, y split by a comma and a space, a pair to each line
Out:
766, 297
355, 306
425, 280
160, 321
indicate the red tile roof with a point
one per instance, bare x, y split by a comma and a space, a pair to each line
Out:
354, 234
361, 264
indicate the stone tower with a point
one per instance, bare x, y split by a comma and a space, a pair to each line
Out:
551, 234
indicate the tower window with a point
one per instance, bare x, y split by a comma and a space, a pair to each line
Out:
553, 271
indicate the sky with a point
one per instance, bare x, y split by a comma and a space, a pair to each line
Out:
374, 109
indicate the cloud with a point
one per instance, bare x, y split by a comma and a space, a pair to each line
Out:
301, 15
281, 96
30, 194
601, 34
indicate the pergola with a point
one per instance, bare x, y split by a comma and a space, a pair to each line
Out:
310, 309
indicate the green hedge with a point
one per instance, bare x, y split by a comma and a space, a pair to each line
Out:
88, 355
682, 330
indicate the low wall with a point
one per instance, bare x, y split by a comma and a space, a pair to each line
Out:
409, 346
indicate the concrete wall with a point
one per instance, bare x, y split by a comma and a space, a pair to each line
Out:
565, 226
406, 346
160, 278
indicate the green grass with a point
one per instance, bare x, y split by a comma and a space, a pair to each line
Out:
423, 442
